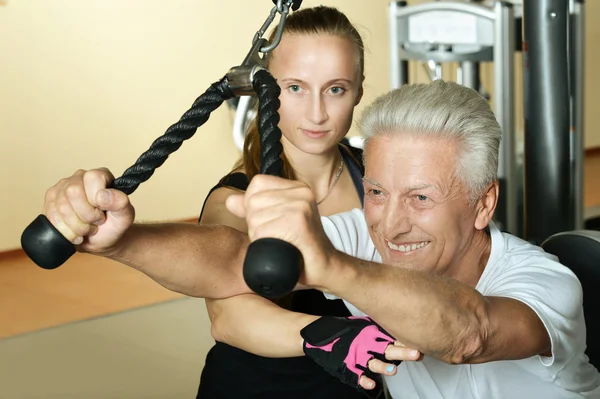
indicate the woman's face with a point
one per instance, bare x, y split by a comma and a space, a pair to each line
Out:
320, 86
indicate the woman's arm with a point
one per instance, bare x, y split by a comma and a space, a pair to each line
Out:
257, 325
250, 322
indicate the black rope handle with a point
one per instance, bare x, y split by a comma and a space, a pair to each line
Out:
267, 91
49, 249
272, 267
174, 137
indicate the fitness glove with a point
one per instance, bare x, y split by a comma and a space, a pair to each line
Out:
344, 346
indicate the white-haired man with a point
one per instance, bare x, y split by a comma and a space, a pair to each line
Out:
494, 316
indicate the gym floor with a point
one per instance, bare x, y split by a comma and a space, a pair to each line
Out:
95, 329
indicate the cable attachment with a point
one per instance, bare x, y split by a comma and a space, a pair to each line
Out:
240, 78
282, 7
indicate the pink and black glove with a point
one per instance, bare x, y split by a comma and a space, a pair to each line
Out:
344, 346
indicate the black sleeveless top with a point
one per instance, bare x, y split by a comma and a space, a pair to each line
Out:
231, 373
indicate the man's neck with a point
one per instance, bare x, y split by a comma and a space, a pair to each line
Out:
470, 266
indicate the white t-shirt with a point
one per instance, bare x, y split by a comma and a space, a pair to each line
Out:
515, 269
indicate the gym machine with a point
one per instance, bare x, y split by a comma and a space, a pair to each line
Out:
554, 40
543, 194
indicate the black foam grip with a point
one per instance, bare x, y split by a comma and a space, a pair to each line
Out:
272, 267
41, 235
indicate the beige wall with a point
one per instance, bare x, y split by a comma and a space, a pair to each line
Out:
92, 83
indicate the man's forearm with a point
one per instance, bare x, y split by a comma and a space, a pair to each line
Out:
436, 315
200, 261
258, 326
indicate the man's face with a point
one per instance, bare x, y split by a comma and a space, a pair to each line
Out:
417, 209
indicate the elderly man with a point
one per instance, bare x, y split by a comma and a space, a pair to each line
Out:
494, 316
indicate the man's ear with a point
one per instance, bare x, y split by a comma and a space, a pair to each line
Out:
486, 206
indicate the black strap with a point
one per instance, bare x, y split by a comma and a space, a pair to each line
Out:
353, 158
237, 180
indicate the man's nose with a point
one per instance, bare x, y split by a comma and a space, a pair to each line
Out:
396, 219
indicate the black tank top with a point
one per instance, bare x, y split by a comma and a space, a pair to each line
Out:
232, 373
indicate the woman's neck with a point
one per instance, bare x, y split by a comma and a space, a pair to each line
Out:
317, 171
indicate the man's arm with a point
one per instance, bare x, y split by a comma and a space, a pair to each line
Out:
199, 261
439, 316
193, 260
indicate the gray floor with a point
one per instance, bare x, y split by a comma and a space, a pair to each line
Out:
153, 352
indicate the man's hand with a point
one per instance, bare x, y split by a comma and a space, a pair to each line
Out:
287, 210
88, 214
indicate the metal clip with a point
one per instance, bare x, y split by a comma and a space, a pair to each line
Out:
283, 9
240, 78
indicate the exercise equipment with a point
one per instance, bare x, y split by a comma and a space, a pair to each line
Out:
245, 114
579, 250
542, 194
272, 267
553, 53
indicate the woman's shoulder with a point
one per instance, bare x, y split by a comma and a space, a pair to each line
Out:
231, 183
214, 210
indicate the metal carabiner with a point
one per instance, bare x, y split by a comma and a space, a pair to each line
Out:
240, 77
283, 9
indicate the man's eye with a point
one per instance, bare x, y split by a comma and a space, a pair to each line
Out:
422, 198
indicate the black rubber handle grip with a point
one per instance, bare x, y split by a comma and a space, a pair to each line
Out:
49, 249
45, 245
272, 266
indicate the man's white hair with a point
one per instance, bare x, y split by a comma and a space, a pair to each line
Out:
445, 110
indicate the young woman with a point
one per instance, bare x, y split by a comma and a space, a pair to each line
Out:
319, 65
